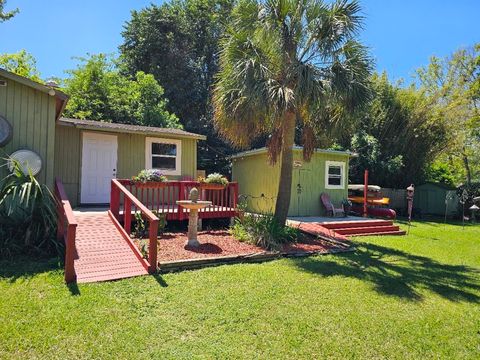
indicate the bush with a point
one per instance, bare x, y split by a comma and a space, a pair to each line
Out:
263, 231
150, 175
28, 218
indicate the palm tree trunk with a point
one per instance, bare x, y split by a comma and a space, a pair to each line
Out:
286, 167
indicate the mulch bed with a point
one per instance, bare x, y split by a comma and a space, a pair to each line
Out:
219, 243
215, 243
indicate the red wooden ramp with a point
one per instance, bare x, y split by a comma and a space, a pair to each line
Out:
102, 251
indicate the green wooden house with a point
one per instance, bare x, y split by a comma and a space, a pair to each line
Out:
258, 180
86, 154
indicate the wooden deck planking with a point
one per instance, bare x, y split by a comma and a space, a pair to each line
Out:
101, 251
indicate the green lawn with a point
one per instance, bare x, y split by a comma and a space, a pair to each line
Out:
416, 296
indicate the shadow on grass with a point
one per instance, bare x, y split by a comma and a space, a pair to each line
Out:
160, 280
397, 273
26, 267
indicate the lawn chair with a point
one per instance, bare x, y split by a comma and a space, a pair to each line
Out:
331, 209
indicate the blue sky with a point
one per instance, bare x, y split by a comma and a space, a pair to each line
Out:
402, 34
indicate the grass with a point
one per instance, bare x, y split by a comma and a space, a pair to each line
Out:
395, 297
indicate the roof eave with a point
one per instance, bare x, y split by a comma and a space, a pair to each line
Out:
127, 131
264, 150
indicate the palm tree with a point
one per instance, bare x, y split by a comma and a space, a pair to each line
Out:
283, 64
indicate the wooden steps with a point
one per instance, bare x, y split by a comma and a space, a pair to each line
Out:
342, 230
365, 228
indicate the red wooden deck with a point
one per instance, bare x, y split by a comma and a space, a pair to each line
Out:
102, 252
98, 246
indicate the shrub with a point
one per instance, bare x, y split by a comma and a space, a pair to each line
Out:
27, 216
150, 175
215, 178
140, 226
263, 231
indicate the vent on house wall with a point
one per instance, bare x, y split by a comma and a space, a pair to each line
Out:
3, 83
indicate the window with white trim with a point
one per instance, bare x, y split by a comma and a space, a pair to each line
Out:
164, 155
334, 175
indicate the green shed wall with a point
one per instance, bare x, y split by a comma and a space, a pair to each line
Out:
430, 198
130, 157
256, 177
32, 116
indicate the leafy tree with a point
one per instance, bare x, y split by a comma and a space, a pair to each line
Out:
453, 83
281, 63
6, 15
21, 63
398, 134
98, 91
178, 43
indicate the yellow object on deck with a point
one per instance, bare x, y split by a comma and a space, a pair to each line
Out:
370, 201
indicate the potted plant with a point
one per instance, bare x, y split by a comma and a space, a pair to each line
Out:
213, 181
149, 178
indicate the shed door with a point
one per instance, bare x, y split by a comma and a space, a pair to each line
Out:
99, 166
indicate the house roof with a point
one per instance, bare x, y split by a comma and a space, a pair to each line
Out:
295, 148
126, 128
61, 98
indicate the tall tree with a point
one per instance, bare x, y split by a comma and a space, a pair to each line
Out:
281, 62
453, 83
177, 42
6, 15
397, 135
21, 63
98, 91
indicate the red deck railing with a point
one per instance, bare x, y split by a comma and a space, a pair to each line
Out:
162, 198
122, 199
66, 229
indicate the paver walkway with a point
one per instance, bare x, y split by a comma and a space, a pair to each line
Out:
101, 251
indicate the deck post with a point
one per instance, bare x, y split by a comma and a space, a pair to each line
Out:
70, 275
152, 246
365, 194
127, 215
115, 200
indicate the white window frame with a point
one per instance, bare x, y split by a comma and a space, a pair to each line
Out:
341, 164
178, 158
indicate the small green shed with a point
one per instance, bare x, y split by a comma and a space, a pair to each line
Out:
435, 198
258, 180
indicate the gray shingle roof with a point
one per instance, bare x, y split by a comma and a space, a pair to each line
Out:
126, 128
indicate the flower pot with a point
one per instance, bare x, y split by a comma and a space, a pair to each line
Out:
150, 184
207, 186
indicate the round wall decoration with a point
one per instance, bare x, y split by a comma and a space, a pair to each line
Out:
28, 160
5, 131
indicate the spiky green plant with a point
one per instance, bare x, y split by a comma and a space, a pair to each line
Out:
27, 215
282, 64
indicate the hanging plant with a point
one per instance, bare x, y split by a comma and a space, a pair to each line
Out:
213, 181
150, 178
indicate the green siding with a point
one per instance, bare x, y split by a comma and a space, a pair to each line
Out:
256, 177
32, 116
430, 198
130, 157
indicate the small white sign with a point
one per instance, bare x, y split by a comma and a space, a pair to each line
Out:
297, 163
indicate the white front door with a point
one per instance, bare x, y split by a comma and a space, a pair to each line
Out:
99, 167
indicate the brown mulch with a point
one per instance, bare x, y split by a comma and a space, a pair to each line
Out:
311, 244
219, 243
215, 243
